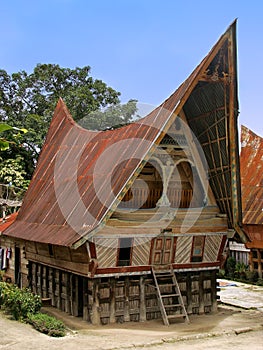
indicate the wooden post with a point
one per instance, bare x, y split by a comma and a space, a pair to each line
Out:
112, 300
95, 317
251, 264
259, 263
126, 300
58, 286
39, 280
51, 284
201, 293
189, 294
73, 294
85, 300
142, 300
44, 281
213, 291
29, 278
34, 278
67, 293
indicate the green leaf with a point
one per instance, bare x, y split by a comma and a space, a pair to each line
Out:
4, 145
4, 127
18, 129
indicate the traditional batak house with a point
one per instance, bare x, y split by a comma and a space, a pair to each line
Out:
251, 168
130, 224
13, 265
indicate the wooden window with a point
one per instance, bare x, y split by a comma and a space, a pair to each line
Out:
197, 249
124, 252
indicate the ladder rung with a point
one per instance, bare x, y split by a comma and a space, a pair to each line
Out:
167, 278
158, 275
173, 305
169, 295
176, 316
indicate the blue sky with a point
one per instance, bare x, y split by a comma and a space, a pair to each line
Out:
143, 48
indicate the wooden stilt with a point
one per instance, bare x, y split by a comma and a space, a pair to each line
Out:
126, 300
213, 291
86, 316
95, 317
142, 300
189, 294
201, 294
112, 300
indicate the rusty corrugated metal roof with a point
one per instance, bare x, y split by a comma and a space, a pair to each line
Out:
5, 223
251, 167
73, 189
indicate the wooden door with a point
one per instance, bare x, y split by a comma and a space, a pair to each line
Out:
163, 250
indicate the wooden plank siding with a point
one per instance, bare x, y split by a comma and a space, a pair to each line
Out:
106, 250
141, 251
159, 250
128, 298
183, 250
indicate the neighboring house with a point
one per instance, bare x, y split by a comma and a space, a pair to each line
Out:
13, 265
251, 168
238, 251
107, 212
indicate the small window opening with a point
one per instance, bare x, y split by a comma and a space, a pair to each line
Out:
125, 247
197, 249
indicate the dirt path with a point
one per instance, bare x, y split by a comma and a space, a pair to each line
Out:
224, 330
232, 327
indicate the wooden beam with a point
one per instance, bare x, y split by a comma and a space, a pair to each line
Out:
80, 268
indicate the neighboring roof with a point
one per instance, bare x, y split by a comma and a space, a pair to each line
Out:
5, 223
251, 167
73, 190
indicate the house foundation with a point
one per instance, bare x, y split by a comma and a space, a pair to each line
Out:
118, 299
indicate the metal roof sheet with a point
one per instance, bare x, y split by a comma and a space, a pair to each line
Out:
251, 167
74, 187
5, 223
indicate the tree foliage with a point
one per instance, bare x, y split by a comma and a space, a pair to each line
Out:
12, 172
4, 142
28, 101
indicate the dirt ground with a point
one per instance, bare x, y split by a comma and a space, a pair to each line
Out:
229, 327
237, 324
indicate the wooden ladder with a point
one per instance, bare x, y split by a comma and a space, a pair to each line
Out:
167, 287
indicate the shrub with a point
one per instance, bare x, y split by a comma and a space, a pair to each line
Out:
221, 273
260, 282
25, 306
240, 270
1, 275
47, 324
19, 302
230, 266
252, 276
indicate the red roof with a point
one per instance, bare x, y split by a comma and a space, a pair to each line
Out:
251, 168
4, 224
75, 188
